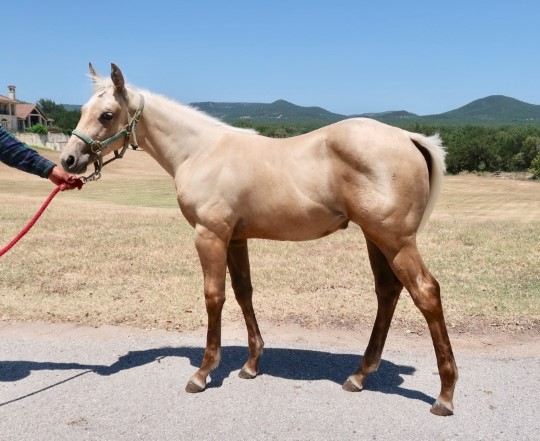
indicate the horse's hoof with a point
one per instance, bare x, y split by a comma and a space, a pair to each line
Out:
440, 409
193, 388
246, 375
349, 386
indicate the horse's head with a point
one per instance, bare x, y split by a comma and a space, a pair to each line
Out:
105, 123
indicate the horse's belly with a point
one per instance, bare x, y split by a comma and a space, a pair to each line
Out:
293, 228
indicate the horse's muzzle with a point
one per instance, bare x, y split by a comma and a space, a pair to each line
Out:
73, 164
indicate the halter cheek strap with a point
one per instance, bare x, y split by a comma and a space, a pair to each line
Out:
97, 147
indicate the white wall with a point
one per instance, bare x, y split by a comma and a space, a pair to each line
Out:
50, 141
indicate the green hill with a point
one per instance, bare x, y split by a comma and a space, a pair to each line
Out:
72, 106
495, 110
279, 112
492, 110
395, 118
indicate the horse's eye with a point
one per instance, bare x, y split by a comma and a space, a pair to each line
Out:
106, 116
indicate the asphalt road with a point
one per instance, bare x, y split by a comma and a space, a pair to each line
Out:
66, 382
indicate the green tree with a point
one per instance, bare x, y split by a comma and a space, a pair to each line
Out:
535, 167
65, 120
530, 148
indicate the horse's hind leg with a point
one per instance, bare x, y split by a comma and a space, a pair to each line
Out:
238, 262
388, 288
425, 292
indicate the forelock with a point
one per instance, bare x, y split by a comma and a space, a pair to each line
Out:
101, 83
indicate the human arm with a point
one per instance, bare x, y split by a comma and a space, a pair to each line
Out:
17, 154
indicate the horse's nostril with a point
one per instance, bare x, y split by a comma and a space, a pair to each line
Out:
70, 160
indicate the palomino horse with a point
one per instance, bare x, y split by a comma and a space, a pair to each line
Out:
233, 184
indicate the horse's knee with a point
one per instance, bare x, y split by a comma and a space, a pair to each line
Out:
214, 299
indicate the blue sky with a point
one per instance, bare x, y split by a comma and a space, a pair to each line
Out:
346, 56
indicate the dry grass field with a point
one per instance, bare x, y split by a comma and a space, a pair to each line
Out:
119, 252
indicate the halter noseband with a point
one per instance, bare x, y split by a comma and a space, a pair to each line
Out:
97, 147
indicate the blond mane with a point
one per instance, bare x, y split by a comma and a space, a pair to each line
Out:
102, 83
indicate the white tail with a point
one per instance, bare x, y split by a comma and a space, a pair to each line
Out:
435, 149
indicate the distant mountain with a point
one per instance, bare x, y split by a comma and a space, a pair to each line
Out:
72, 106
396, 117
492, 110
279, 112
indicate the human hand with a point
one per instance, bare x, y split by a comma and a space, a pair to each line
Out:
58, 176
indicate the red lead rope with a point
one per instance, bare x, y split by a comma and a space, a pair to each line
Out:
77, 183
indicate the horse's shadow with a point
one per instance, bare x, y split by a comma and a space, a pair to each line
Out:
292, 364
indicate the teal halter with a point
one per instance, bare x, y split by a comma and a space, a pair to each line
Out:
97, 147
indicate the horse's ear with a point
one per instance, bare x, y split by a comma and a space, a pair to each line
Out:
93, 74
117, 78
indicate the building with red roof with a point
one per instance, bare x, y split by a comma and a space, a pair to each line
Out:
19, 117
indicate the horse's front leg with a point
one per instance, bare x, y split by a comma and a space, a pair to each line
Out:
213, 256
238, 262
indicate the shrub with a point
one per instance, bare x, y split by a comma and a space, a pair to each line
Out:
38, 128
535, 167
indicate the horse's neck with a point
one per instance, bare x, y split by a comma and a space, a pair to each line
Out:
172, 133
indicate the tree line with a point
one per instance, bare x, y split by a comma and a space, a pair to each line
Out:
469, 148
490, 149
